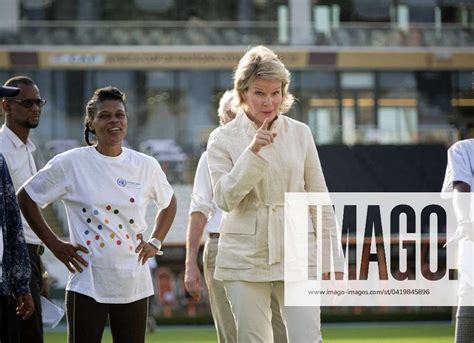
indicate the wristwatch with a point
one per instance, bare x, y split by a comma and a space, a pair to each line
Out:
157, 244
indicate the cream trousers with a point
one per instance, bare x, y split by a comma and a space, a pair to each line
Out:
250, 302
220, 307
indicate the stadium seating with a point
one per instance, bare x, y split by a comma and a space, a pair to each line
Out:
217, 33
171, 157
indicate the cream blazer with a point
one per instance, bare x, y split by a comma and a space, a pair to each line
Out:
252, 190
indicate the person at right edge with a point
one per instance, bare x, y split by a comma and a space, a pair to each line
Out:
253, 161
459, 180
204, 214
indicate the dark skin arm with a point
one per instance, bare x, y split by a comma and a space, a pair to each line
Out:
25, 306
66, 252
163, 222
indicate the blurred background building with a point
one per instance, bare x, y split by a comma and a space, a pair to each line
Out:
384, 85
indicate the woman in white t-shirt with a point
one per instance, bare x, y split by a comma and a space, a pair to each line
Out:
105, 189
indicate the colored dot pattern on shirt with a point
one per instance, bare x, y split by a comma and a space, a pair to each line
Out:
103, 226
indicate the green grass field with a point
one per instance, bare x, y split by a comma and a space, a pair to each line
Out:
353, 333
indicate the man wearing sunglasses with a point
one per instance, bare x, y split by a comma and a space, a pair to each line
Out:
22, 113
14, 262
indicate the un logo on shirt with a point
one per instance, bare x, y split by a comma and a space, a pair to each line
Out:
121, 182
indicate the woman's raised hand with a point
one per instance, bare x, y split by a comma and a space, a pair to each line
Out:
263, 137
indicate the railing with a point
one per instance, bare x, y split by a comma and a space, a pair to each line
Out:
200, 32
385, 35
369, 134
141, 33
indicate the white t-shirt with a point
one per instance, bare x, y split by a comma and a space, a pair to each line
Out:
202, 198
106, 200
21, 166
461, 168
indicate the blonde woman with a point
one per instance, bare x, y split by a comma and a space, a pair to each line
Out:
253, 161
204, 213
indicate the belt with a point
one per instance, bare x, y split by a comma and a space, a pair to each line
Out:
36, 249
274, 239
214, 234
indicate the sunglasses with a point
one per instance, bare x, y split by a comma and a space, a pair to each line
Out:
28, 103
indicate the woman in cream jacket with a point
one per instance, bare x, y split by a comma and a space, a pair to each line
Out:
253, 161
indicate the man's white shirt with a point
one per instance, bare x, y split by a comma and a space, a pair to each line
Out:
202, 198
21, 166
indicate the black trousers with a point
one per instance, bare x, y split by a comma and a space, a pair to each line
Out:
86, 319
8, 322
31, 329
